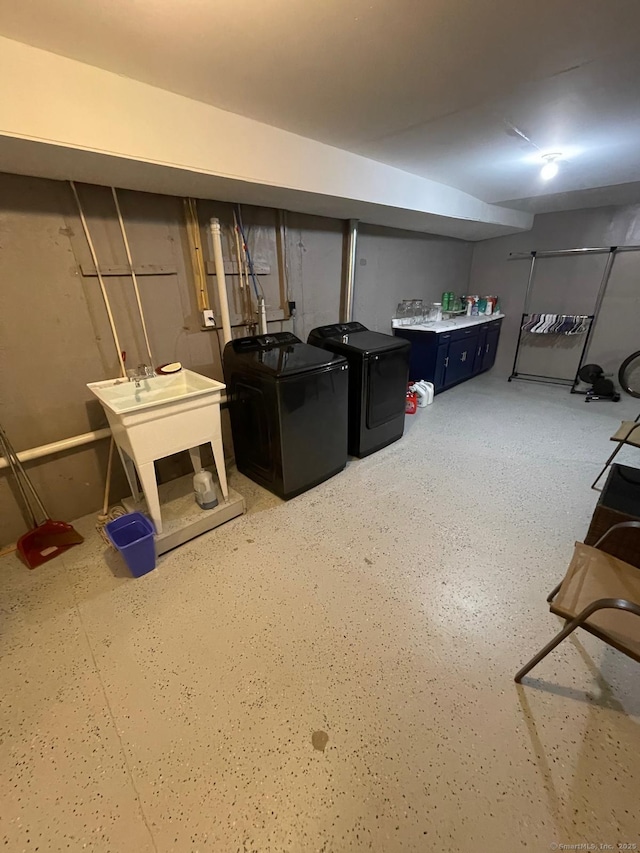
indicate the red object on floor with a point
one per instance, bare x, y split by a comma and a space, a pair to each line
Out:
411, 406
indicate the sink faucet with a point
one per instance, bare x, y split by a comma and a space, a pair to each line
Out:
142, 371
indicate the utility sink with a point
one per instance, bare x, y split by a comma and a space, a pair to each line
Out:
159, 416
122, 396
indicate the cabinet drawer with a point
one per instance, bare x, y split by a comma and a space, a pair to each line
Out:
463, 334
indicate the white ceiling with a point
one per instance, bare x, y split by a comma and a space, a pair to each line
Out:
435, 87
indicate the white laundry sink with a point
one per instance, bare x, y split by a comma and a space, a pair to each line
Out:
158, 416
123, 397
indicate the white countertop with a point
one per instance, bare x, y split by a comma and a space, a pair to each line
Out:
448, 325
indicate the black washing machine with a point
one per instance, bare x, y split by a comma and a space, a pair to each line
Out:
288, 404
378, 376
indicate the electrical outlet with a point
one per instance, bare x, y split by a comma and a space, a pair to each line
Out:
208, 319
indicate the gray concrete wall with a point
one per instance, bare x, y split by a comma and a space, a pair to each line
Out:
54, 331
314, 267
394, 265
566, 285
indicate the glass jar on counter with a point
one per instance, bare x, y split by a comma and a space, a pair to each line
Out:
417, 311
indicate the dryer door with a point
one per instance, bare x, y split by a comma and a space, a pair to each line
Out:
387, 375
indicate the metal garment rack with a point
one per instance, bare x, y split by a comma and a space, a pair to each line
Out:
611, 252
550, 380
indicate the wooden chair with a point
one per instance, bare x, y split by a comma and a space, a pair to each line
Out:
600, 594
628, 433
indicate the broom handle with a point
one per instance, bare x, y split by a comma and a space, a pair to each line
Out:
18, 464
9, 457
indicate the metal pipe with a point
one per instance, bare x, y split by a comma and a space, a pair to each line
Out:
596, 311
103, 288
527, 295
60, 446
603, 284
214, 227
350, 270
132, 273
600, 250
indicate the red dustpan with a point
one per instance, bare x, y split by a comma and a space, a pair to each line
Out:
48, 538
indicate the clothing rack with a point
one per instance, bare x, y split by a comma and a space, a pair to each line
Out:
556, 324
612, 252
585, 319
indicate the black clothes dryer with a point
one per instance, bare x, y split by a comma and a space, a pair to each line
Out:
288, 405
378, 377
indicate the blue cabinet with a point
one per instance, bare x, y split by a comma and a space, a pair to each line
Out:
479, 353
442, 362
461, 356
491, 348
447, 358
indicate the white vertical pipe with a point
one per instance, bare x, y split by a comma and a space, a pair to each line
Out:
262, 316
94, 257
216, 239
133, 273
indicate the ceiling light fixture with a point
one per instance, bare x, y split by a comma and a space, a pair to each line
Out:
550, 168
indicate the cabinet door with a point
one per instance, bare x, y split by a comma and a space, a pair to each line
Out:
424, 346
461, 358
480, 350
441, 367
490, 349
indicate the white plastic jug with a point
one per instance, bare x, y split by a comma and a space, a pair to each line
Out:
425, 392
205, 490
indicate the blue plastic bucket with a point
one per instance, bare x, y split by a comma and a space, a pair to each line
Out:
132, 535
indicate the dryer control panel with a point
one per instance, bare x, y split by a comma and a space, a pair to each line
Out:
337, 330
264, 342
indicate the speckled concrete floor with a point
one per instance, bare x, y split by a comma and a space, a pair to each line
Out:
335, 673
